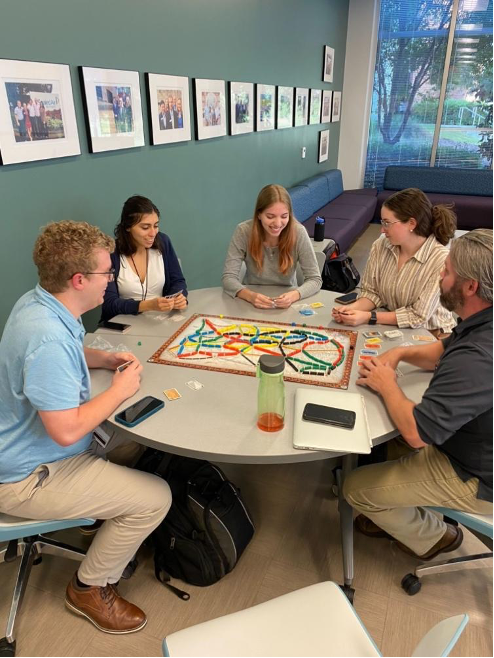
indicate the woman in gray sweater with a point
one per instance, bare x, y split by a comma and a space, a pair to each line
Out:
271, 245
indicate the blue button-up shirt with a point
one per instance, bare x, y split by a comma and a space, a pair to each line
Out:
42, 368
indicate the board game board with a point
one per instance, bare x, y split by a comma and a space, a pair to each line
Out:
314, 355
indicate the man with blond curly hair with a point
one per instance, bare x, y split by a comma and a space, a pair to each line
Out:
47, 467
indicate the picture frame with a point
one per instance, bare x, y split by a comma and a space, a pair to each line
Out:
301, 106
328, 64
336, 109
323, 145
326, 106
37, 114
210, 108
112, 99
284, 108
169, 108
265, 107
241, 108
315, 106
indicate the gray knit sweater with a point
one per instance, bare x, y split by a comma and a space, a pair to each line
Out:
270, 275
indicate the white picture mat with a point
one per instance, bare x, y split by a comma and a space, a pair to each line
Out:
328, 53
239, 88
45, 73
94, 77
315, 99
316, 436
204, 85
157, 82
301, 120
267, 122
284, 92
326, 117
335, 115
323, 156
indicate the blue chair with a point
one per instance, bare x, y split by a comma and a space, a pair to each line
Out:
480, 525
26, 540
314, 621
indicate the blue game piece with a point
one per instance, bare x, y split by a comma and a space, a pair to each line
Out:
294, 324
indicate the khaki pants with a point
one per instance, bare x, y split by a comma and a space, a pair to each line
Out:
392, 494
134, 503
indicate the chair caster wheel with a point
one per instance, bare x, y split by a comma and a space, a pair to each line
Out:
411, 584
7, 648
349, 592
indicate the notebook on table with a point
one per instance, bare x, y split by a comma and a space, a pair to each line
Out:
308, 435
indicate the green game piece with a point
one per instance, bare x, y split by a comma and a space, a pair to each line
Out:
139, 342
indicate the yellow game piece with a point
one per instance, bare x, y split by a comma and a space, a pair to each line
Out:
221, 315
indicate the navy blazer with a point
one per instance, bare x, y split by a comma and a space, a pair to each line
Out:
113, 304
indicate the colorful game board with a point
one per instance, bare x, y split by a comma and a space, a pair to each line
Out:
314, 355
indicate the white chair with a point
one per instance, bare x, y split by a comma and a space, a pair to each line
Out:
26, 539
314, 621
480, 525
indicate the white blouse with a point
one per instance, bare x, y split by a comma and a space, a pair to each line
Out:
129, 284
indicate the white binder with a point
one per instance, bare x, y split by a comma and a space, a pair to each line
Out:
316, 436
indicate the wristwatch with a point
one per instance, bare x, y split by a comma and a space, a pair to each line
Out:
373, 318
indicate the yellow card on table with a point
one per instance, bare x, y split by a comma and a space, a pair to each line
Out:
316, 305
172, 394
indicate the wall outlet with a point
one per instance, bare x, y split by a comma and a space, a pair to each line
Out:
304, 151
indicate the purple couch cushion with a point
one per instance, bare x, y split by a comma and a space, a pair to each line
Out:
364, 200
471, 211
365, 191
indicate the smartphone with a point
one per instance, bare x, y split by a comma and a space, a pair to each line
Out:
346, 299
115, 326
319, 413
139, 411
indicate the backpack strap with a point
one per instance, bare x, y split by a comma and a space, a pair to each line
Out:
164, 578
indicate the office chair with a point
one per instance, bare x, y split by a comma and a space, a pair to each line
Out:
479, 524
314, 621
26, 539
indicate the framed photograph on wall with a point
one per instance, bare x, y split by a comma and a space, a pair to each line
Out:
336, 112
327, 101
241, 108
168, 108
210, 108
113, 107
266, 98
301, 106
284, 116
323, 145
37, 115
328, 66
315, 106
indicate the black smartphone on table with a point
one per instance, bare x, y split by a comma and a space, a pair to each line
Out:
139, 411
346, 299
320, 413
115, 326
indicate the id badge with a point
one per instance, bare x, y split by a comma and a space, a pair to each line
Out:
101, 437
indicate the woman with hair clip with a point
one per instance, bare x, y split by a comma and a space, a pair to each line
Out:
271, 245
402, 273
148, 276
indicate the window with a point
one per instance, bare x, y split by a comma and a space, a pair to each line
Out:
411, 89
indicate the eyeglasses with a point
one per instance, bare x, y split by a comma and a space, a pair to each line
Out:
110, 274
388, 224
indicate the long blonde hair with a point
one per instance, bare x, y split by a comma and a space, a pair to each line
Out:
267, 197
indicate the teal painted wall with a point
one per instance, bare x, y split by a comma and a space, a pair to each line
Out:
203, 189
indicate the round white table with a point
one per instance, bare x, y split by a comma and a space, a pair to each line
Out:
218, 422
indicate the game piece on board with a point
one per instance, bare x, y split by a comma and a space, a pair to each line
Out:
372, 334
172, 394
221, 315
194, 385
425, 338
294, 324
394, 334
139, 342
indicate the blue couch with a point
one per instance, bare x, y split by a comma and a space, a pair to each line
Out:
346, 213
469, 190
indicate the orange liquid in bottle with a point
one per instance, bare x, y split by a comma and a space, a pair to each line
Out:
270, 422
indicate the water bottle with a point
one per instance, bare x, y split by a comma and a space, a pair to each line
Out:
271, 393
319, 229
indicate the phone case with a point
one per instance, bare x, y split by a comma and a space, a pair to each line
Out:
120, 420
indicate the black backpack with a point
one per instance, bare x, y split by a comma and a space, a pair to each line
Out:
339, 274
207, 527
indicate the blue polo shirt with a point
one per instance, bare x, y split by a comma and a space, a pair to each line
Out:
42, 368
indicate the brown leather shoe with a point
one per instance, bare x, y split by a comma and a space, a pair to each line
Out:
367, 527
450, 541
105, 608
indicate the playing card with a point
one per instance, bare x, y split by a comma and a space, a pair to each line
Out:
372, 334
368, 352
194, 385
374, 341
425, 338
394, 334
317, 305
372, 346
172, 394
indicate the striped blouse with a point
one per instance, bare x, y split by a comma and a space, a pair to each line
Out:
413, 291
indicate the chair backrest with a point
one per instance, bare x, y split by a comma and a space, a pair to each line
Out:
14, 527
441, 639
